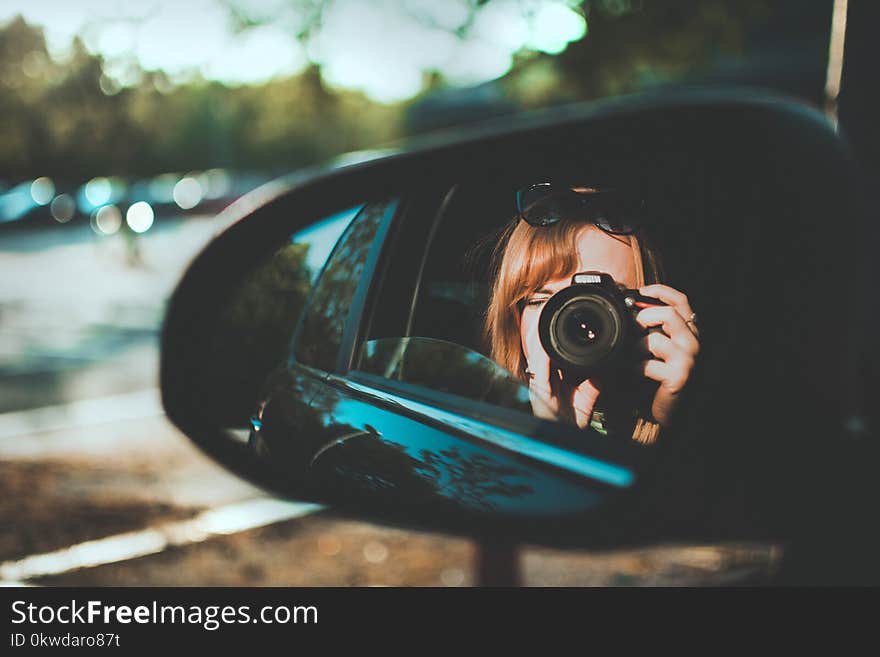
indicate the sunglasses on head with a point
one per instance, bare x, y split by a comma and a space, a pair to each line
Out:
545, 204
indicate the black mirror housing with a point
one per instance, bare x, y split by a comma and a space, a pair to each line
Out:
766, 210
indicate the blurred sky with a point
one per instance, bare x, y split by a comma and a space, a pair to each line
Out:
382, 47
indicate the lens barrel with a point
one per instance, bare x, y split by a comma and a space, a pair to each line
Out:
584, 329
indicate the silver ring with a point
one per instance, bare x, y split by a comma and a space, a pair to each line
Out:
692, 320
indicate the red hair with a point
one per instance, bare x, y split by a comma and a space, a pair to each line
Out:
525, 258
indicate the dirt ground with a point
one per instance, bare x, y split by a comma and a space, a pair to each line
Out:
324, 551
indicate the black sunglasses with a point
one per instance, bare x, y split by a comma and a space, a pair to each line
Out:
545, 203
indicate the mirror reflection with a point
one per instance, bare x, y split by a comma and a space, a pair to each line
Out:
252, 332
578, 309
401, 345
446, 367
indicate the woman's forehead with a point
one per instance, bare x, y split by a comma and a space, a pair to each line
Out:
600, 251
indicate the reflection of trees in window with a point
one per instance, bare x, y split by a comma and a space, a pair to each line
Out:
252, 334
326, 447
321, 337
398, 475
293, 429
448, 477
474, 480
383, 469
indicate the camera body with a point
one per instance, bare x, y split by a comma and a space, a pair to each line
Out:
589, 328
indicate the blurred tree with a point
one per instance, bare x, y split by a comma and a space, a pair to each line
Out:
87, 129
633, 44
70, 120
628, 45
24, 66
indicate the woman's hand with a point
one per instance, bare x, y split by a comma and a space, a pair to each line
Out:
551, 397
674, 348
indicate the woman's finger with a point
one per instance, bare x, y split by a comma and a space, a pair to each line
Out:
659, 345
656, 370
674, 298
584, 400
668, 295
672, 374
672, 324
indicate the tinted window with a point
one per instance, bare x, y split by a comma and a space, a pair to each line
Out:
446, 367
321, 332
320, 238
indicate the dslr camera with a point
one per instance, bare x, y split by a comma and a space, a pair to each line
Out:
589, 328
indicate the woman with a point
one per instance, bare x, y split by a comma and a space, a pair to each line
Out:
562, 230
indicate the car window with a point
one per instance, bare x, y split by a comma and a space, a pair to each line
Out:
321, 332
446, 367
439, 345
320, 238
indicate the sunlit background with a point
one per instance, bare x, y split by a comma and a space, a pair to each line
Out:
354, 43
126, 127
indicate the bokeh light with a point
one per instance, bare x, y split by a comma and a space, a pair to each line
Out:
42, 190
215, 183
452, 576
63, 208
107, 220
187, 193
161, 188
139, 217
375, 552
98, 191
554, 27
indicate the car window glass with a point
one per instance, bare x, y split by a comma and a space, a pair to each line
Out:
446, 367
320, 334
320, 239
441, 346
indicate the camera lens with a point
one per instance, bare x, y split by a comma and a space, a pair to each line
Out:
585, 331
582, 327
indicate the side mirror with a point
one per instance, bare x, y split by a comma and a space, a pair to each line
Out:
330, 344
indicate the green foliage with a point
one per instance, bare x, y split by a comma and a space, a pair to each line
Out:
71, 121
631, 44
